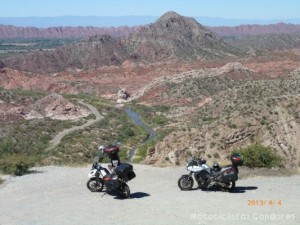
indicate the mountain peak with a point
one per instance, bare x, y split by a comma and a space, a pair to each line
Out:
169, 15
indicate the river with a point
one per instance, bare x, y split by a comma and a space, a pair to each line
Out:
137, 121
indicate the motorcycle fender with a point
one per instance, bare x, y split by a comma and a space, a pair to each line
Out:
92, 174
187, 175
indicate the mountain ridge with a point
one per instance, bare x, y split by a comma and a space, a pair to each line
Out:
113, 21
171, 37
11, 31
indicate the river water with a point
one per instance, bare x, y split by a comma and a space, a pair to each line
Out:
137, 121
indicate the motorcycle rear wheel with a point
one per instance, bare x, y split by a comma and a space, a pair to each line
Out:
185, 183
95, 185
124, 191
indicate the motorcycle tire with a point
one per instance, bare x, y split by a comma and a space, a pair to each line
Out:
185, 183
231, 186
95, 185
123, 191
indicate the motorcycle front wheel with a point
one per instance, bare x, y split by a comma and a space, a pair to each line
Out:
123, 191
230, 186
185, 183
95, 185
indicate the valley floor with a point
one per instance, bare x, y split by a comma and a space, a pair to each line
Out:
58, 195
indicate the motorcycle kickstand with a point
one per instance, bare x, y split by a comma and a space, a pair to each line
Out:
103, 194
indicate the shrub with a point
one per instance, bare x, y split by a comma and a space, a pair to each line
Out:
216, 155
257, 155
232, 126
15, 165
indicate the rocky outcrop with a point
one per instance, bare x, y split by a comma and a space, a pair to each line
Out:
56, 107
174, 36
53, 106
122, 94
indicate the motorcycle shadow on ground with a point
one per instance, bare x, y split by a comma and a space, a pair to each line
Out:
33, 171
243, 189
135, 195
237, 190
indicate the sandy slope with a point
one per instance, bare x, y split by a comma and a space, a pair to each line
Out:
58, 195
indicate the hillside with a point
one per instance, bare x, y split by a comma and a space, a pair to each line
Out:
176, 37
9, 31
266, 42
254, 29
225, 108
93, 52
171, 37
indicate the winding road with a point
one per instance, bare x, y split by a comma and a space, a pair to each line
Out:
56, 140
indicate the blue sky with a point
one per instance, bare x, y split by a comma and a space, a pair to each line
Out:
230, 9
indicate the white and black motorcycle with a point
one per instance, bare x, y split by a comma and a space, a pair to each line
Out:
206, 177
96, 175
115, 180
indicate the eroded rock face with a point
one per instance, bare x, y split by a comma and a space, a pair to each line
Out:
52, 106
56, 107
122, 94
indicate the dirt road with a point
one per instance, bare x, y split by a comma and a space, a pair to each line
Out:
58, 195
56, 140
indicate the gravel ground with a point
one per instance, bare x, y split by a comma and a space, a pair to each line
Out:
58, 195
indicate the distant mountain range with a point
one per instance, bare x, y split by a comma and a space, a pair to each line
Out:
9, 31
115, 21
172, 37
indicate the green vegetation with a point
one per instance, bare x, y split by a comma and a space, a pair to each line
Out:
16, 164
152, 116
12, 47
141, 152
257, 155
23, 144
115, 128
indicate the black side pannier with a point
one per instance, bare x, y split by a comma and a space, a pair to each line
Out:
131, 175
229, 175
110, 183
124, 169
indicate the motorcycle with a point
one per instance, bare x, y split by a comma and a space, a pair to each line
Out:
115, 181
96, 175
207, 178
